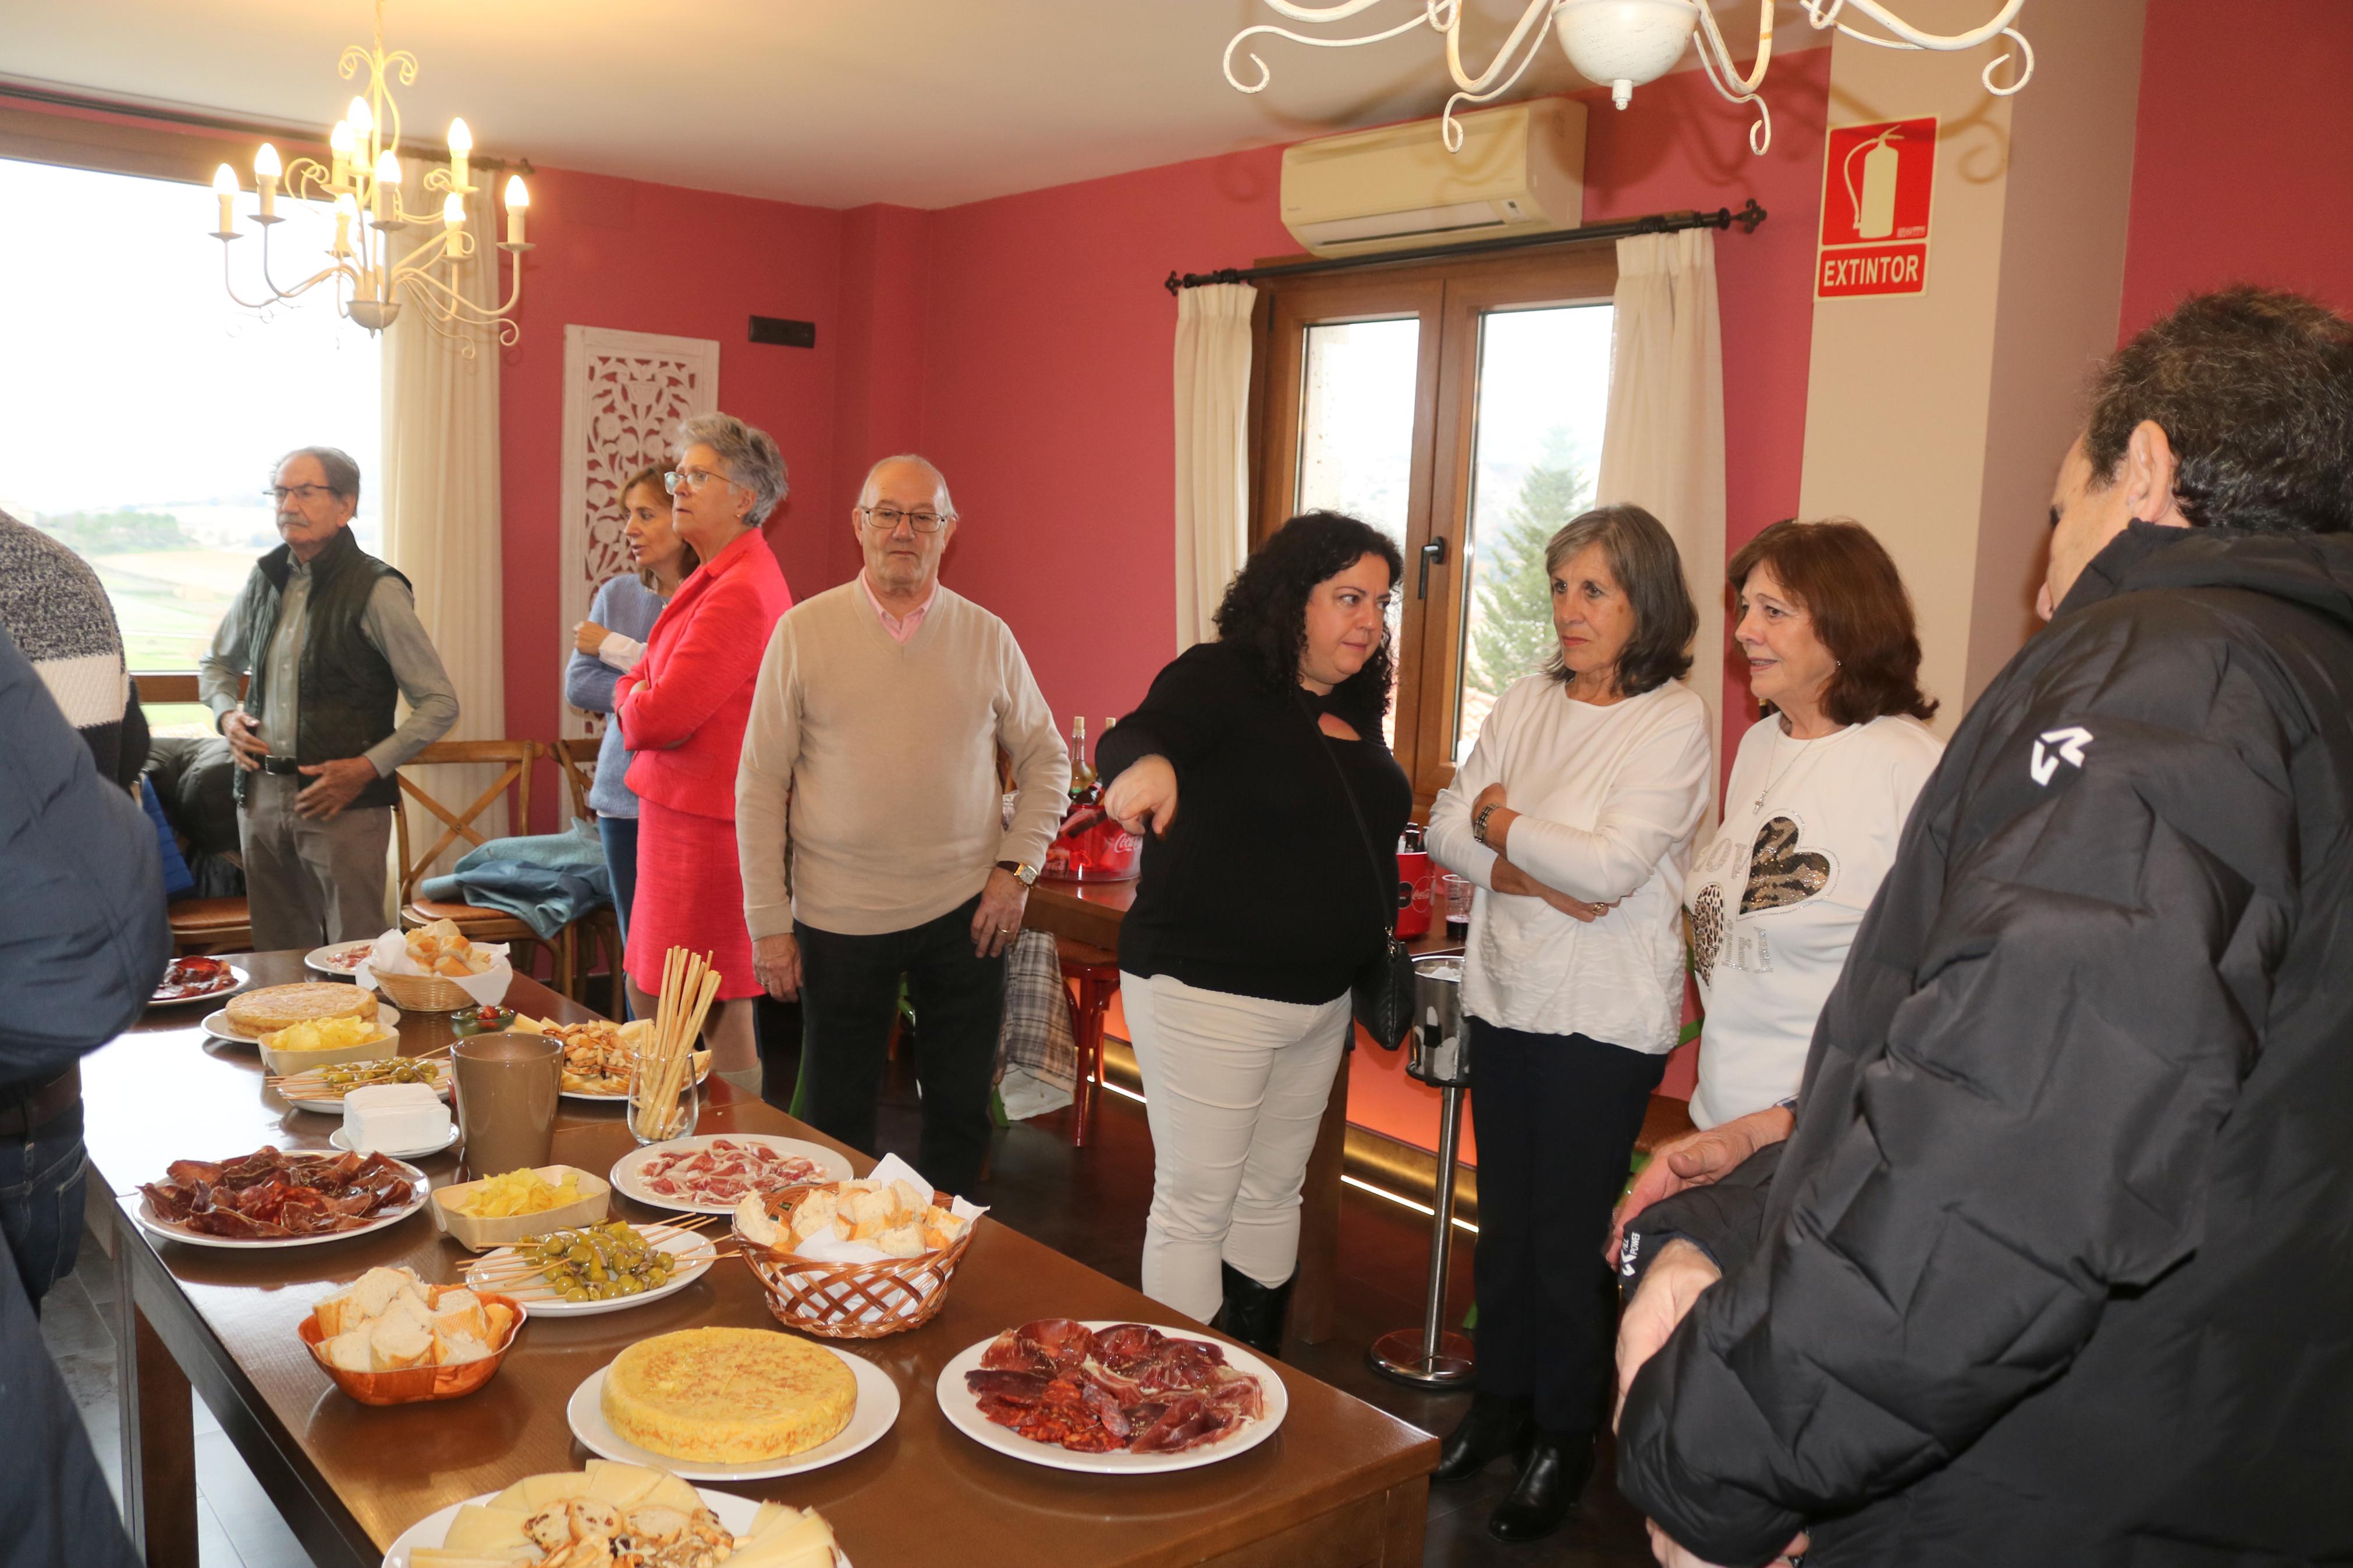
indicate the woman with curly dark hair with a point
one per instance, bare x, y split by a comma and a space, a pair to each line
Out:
1260, 902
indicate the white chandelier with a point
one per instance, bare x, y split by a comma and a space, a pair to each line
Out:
1627, 43
365, 186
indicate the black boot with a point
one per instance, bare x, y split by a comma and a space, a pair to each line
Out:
1552, 1477
1253, 1313
1494, 1425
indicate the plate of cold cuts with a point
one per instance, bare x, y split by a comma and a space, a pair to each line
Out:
1111, 1399
196, 980
711, 1175
269, 1198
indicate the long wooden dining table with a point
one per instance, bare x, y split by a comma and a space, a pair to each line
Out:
1340, 1483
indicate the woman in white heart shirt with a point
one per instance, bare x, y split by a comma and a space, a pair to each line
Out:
1816, 802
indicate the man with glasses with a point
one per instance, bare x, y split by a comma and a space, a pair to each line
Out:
330, 639
871, 827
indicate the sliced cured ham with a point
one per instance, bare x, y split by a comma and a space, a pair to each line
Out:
1128, 1386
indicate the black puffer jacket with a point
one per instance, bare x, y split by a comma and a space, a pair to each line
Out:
2058, 1266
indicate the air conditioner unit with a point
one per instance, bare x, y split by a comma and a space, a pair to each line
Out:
1521, 170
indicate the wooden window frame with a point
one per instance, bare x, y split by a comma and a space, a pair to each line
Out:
1449, 299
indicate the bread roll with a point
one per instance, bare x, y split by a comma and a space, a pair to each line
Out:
867, 1207
348, 1351
910, 1198
459, 1312
901, 1241
397, 1342
814, 1213
499, 1319
456, 1350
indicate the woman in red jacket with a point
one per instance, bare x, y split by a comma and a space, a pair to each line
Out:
683, 712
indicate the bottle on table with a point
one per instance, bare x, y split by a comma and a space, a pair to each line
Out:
1085, 788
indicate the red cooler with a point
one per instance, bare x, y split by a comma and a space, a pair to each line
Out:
1416, 877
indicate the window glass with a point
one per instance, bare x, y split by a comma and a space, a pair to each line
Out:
1543, 389
140, 410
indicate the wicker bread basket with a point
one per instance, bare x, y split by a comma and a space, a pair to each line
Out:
421, 992
854, 1300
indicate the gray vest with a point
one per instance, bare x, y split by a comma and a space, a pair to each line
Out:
347, 696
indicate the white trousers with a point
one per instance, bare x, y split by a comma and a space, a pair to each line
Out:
1234, 1089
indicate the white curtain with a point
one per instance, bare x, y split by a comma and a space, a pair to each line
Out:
1213, 370
440, 490
1662, 448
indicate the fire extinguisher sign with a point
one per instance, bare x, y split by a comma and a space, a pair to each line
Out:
1876, 182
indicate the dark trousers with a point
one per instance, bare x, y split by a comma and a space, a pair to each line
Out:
44, 1175
620, 837
1556, 1117
849, 993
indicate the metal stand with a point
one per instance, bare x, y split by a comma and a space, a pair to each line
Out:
1431, 1356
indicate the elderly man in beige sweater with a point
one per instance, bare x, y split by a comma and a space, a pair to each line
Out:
870, 824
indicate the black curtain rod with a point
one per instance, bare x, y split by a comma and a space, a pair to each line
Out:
1747, 217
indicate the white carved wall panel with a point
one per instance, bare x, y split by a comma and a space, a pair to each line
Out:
624, 394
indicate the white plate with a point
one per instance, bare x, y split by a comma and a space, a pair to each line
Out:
831, 1167
962, 1407
622, 1099
336, 1107
171, 1232
342, 1140
734, 1512
216, 1024
878, 1407
322, 958
239, 981
544, 1304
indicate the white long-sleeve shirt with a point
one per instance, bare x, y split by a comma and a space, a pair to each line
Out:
1609, 801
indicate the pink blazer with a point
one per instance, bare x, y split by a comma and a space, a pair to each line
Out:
682, 709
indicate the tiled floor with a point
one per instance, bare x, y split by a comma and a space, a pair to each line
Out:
1086, 1202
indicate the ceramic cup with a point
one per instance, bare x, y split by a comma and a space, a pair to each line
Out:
507, 1089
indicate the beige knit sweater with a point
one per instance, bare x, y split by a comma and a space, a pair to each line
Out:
867, 799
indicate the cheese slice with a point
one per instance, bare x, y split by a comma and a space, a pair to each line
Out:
533, 1493
804, 1542
622, 1485
481, 1529
672, 1492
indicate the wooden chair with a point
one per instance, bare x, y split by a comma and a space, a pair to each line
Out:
601, 925
476, 922
1096, 970
211, 925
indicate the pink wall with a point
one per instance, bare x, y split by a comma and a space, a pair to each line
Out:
2243, 140
1048, 399
657, 259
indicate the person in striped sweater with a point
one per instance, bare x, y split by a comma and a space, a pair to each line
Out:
57, 610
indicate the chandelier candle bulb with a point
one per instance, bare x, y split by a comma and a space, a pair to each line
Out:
225, 188
362, 121
518, 198
266, 170
462, 146
387, 175
453, 211
339, 142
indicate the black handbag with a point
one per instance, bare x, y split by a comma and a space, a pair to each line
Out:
1381, 995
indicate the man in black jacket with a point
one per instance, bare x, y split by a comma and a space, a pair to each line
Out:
2056, 1267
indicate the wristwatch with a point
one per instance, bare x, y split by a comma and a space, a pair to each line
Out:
1479, 823
1023, 872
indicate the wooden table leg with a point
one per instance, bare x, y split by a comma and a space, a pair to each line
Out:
1405, 1519
159, 1439
1313, 1299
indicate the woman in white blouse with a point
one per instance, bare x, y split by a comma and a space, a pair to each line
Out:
1817, 800
1574, 815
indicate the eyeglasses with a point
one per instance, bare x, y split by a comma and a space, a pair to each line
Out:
691, 479
299, 492
887, 518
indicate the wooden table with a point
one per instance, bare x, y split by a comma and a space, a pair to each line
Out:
1341, 1483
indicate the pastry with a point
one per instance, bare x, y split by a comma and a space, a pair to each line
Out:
274, 1007
728, 1396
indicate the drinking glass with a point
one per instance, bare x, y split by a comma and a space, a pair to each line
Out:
1458, 905
654, 1116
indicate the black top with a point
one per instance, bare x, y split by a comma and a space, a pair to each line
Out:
2054, 1269
1264, 885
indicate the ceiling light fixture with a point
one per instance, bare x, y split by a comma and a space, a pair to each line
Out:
363, 188
1627, 43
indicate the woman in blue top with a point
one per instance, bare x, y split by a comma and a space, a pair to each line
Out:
612, 639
